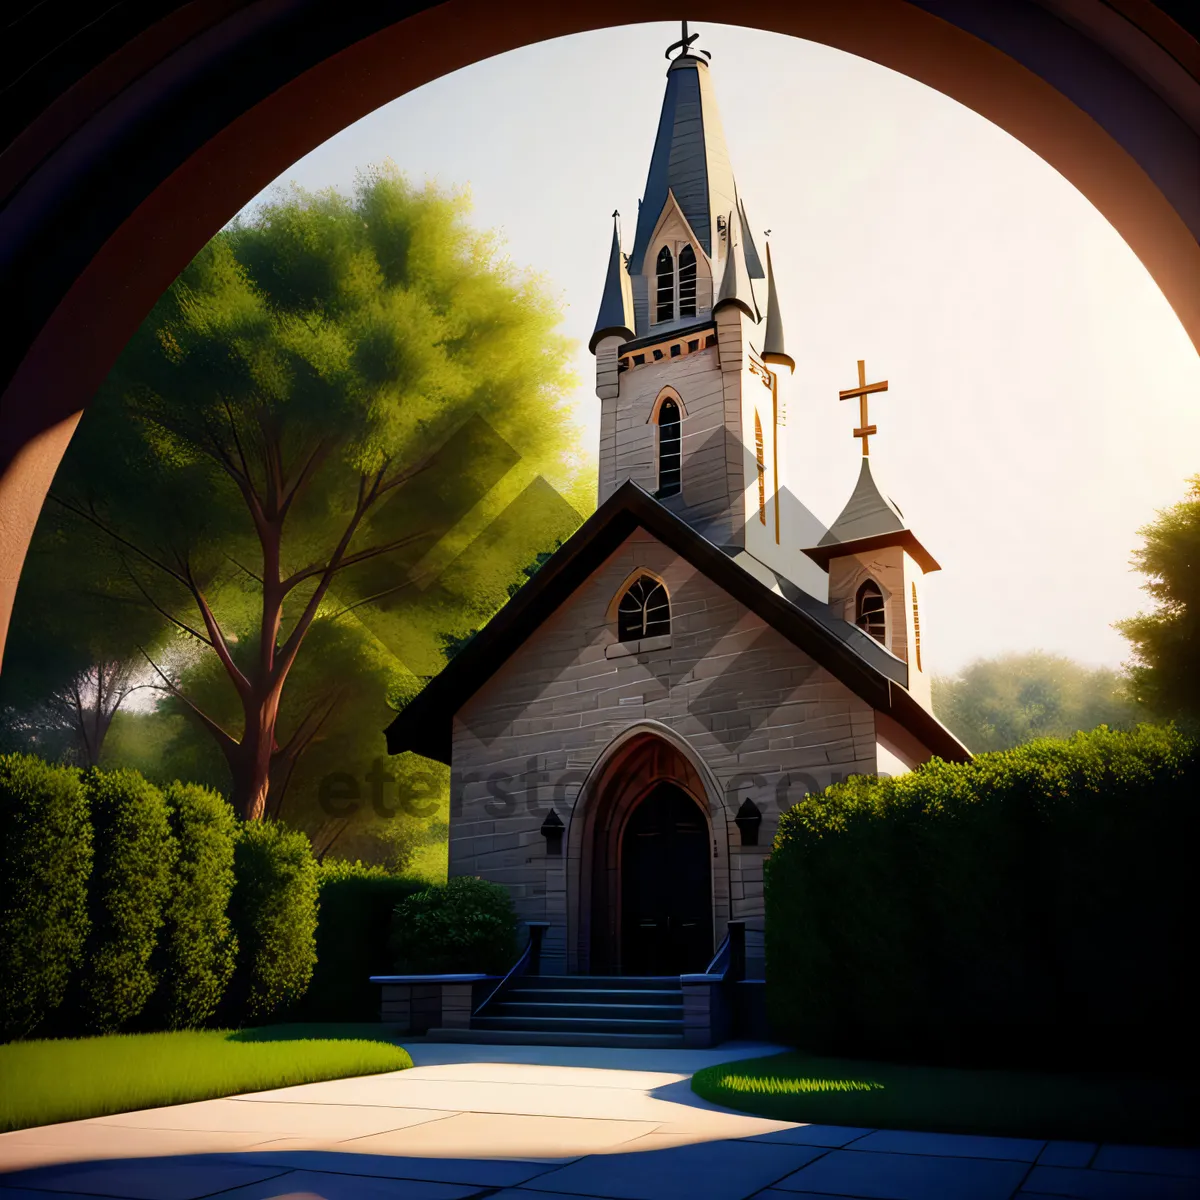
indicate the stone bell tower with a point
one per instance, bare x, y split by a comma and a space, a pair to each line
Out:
690, 355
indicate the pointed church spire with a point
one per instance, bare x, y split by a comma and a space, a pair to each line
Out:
869, 521
735, 278
773, 348
690, 158
616, 303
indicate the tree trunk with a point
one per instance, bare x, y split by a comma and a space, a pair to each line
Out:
251, 764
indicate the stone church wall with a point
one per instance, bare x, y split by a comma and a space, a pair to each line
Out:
765, 720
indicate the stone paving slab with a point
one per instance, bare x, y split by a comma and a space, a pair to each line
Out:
1067, 1154
882, 1176
478, 1172
1108, 1185
1155, 1160
713, 1170
950, 1145
144, 1179
267, 1118
308, 1185
506, 1136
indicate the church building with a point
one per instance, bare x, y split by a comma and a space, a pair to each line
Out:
702, 652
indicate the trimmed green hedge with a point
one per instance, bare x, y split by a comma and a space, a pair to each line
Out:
466, 925
1033, 906
196, 951
274, 908
353, 918
45, 861
127, 896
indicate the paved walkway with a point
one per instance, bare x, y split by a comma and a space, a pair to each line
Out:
539, 1123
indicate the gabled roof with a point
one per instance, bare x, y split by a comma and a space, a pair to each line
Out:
852, 656
868, 522
690, 158
616, 304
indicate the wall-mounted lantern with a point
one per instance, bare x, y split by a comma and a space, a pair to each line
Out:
748, 820
552, 831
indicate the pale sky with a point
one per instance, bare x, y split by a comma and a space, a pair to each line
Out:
1044, 399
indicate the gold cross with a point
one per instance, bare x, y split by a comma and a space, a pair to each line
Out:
863, 390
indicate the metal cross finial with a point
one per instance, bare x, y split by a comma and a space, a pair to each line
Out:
685, 44
863, 390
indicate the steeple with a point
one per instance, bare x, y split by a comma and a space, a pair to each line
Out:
690, 160
773, 349
616, 303
869, 522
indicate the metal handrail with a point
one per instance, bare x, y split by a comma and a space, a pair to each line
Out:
515, 969
722, 951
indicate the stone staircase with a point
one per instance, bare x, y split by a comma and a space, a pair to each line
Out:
578, 1010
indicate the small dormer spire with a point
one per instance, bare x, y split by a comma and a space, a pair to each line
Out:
773, 347
735, 279
616, 303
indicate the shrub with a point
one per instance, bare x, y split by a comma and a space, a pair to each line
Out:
353, 918
196, 952
274, 908
45, 860
131, 876
1031, 905
466, 925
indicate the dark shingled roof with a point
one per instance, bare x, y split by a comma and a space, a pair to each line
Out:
868, 522
616, 305
848, 653
689, 158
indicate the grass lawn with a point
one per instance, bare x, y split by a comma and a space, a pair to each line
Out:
837, 1091
68, 1078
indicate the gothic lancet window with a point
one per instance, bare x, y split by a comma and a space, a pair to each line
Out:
665, 271
644, 610
868, 609
687, 282
669, 475
762, 469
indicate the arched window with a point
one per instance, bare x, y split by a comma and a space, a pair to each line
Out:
868, 610
665, 271
916, 627
687, 282
644, 610
669, 473
762, 469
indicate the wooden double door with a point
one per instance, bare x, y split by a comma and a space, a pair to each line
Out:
666, 886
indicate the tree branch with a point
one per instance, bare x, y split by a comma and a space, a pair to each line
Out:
227, 743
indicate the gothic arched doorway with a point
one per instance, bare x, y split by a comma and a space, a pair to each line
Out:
666, 886
647, 849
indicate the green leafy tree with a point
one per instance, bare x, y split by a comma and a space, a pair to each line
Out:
75, 650
998, 703
1166, 642
341, 406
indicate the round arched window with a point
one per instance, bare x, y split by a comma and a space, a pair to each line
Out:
869, 613
644, 610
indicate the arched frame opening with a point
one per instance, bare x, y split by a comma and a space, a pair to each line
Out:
197, 133
631, 766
